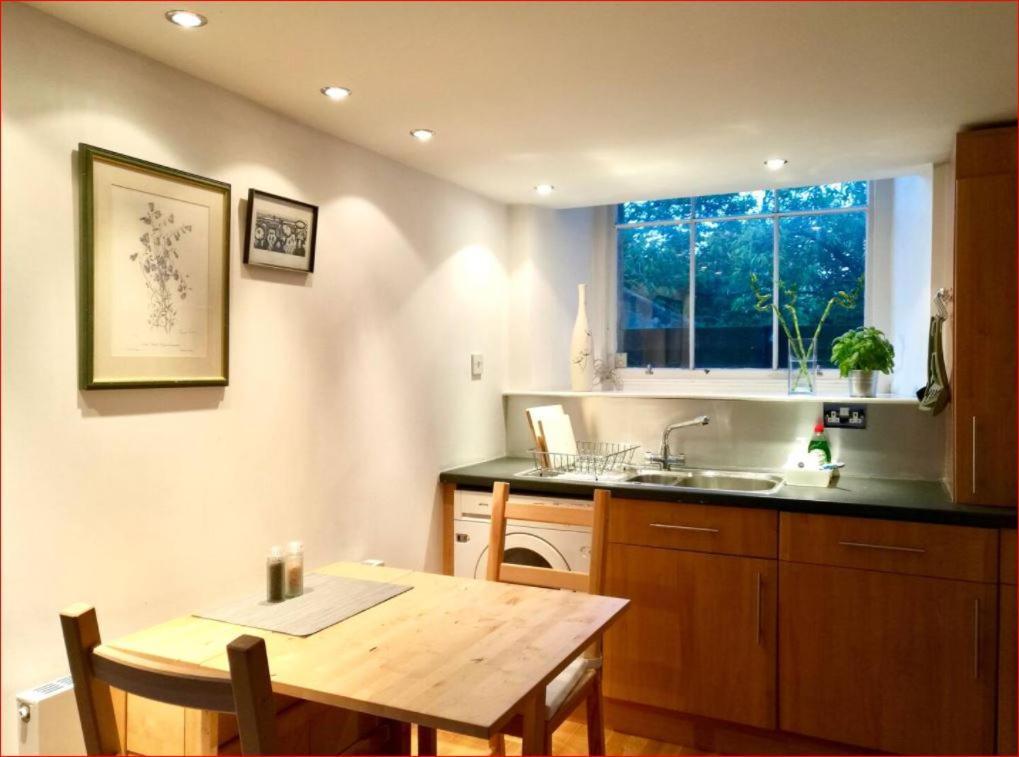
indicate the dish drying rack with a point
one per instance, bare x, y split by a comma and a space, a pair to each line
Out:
592, 458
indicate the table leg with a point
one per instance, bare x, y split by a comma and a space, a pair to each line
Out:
427, 743
533, 727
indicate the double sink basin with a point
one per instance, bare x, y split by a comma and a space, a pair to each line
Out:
709, 480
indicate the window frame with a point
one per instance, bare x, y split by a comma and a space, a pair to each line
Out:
614, 286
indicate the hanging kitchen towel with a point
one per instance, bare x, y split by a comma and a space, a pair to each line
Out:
935, 396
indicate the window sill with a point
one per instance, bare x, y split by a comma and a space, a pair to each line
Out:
753, 395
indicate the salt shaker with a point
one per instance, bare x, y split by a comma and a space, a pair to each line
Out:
295, 569
274, 575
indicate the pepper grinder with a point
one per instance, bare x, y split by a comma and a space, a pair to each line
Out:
274, 575
294, 569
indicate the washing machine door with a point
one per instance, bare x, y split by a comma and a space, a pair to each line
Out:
525, 549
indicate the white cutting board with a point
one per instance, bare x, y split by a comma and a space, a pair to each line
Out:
558, 433
535, 415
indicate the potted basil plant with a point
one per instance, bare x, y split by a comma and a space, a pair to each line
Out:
860, 354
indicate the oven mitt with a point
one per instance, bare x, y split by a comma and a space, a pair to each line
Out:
934, 397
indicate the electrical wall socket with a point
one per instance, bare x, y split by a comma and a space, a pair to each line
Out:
477, 365
839, 415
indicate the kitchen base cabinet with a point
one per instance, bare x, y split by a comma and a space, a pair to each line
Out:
1007, 645
1007, 672
699, 635
899, 663
707, 736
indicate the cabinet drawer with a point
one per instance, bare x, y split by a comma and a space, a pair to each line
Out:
922, 549
700, 528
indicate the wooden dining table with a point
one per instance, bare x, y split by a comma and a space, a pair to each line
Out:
455, 654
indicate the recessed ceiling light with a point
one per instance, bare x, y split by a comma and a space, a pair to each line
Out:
335, 93
187, 19
422, 135
544, 189
774, 164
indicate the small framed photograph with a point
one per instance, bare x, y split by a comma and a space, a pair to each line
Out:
280, 232
155, 274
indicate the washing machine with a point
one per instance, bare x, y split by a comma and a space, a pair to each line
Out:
542, 545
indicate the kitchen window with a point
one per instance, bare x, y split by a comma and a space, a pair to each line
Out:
684, 298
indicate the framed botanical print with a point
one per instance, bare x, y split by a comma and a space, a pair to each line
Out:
280, 232
155, 274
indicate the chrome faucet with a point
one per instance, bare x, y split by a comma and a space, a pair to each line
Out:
665, 459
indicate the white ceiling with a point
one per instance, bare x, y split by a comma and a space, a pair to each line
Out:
607, 101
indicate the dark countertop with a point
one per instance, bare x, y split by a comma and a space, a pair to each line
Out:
890, 499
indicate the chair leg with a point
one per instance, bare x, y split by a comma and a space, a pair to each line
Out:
398, 741
497, 745
595, 719
427, 741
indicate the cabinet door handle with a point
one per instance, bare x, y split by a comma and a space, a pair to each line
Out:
973, 457
976, 638
699, 529
757, 617
886, 547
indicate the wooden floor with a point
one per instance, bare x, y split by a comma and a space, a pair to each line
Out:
570, 738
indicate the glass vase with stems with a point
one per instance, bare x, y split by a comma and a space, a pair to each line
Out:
802, 352
802, 377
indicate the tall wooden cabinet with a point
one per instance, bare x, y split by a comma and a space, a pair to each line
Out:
984, 331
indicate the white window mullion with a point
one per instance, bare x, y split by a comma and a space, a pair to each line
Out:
693, 288
775, 240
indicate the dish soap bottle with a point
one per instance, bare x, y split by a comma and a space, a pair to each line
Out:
820, 442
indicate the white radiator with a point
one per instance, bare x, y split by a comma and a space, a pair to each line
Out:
48, 720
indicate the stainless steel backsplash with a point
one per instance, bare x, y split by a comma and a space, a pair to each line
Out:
899, 441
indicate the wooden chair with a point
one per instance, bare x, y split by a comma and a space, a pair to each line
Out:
581, 680
246, 691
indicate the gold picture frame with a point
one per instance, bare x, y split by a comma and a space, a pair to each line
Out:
155, 274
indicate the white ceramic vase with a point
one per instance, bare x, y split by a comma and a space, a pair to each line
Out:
581, 347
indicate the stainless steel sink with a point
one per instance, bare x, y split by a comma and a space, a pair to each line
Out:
711, 480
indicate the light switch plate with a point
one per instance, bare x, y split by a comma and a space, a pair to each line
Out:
477, 365
844, 415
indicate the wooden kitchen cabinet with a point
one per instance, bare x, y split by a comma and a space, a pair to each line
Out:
1007, 646
699, 636
894, 662
984, 325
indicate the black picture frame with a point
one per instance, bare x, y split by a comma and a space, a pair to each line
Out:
276, 255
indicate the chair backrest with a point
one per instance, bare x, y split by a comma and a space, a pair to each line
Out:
245, 692
596, 518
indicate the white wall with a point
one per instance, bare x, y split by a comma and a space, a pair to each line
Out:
350, 388
552, 251
912, 229
942, 273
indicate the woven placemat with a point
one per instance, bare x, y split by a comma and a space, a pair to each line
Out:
326, 601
